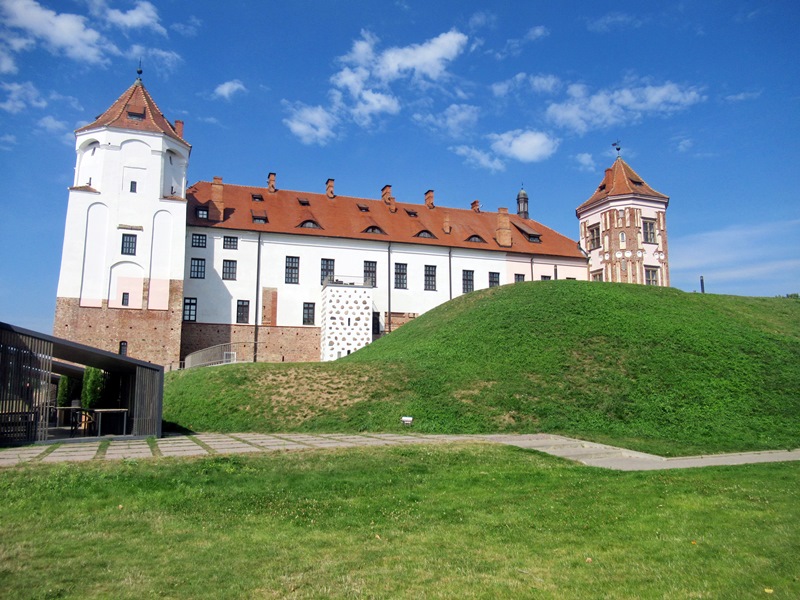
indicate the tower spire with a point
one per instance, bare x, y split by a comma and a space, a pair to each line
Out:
139, 72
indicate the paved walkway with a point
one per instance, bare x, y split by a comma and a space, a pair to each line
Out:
203, 444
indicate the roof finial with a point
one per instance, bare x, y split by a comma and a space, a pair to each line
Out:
139, 71
617, 147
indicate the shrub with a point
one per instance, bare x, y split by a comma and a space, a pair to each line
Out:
93, 386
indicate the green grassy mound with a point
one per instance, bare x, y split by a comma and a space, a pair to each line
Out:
649, 368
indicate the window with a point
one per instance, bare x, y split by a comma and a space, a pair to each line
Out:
190, 309
133, 187
410, 212
467, 281
400, 276
326, 270
230, 242
129, 244
309, 224
370, 273
374, 229
430, 277
308, 313
651, 276
534, 238
519, 277
477, 239
363, 207
242, 311
594, 237
303, 202
198, 240
197, 270
292, 269
123, 348
649, 231
257, 197
259, 220
545, 278
494, 279
425, 234
622, 239
202, 213
229, 269
126, 298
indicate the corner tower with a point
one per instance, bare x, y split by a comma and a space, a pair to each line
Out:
121, 282
623, 227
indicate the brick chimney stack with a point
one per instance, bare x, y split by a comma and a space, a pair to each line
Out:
503, 232
179, 128
429, 199
217, 197
271, 182
446, 227
329, 189
386, 192
476, 206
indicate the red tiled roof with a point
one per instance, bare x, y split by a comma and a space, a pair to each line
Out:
621, 180
135, 109
341, 217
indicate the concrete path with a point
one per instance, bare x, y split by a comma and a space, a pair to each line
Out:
203, 444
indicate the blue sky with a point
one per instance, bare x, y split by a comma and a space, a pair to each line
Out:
471, 99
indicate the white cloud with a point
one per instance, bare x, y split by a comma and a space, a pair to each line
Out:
545, 83
8, 65
164, 60
51, 124
7, 141
455, 121
524, 145
585, 162
513, 47
583, 111
614, 20
479, 158
371, 104
21, 96
228, 89
743, 96
352, 80
71, 101
683, 144
188, 29
482, 19
426, 60
60, 32
540, 84
312, 124
142, 16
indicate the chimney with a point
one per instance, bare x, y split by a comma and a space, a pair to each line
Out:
271, 182
217, 197
329, 189
429, 199
503, 232
476, 205
446, 227
392, 206
179, 128
386, 192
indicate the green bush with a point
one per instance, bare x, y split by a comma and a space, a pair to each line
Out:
93, 386
69, 389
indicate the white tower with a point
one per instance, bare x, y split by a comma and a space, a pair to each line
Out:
121, 281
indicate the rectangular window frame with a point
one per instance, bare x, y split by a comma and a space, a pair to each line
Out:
190, 309
594, 237
126, 299
649, 231
199, 240
229, 270
230, 242
494, 279
467, 281
327, 270
430, 278
128, 244
651, 276
292, 272
371, 273
309, 309
401, 276
197, 268
519, 277
243, 311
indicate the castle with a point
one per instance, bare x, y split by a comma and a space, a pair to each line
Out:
158, 270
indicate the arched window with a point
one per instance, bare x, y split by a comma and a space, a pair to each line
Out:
374, 229
425, 234
477, 239
309, 224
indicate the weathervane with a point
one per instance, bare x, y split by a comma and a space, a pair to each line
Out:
139, 70
616, 147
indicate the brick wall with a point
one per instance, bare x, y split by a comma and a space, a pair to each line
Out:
152, 335
275, 344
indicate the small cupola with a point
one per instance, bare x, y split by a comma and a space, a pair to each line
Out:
522, 203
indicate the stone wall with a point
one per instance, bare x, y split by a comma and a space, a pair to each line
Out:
151, 335
275, 344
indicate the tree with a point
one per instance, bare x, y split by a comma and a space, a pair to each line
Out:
93, 386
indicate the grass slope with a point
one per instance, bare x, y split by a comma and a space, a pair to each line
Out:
448, 521
650, 368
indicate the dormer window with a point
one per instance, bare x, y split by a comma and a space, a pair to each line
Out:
257, 197
135, 113
309, 224
602, 187
303, 202
534, 238
259, 216
477, 239
425, 234
411, 213
201, 212
374, 229
363, 207
637, 182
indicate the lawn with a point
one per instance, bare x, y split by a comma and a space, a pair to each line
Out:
428, 521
